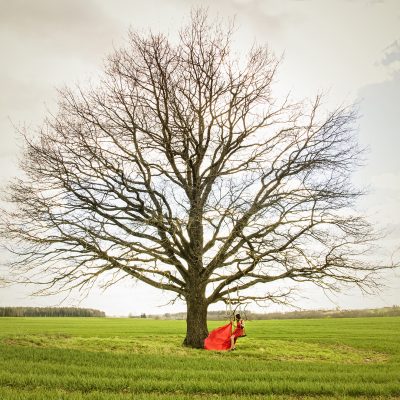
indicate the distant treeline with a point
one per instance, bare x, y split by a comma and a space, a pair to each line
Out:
375, 312
49, 312
393, 311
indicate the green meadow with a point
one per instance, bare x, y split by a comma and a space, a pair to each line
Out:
110, 359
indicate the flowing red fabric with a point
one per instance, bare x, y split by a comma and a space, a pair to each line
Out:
219, 339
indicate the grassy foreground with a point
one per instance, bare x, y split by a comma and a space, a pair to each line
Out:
110, 359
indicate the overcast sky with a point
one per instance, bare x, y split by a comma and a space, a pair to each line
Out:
349, 49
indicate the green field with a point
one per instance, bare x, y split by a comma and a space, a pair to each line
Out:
94, 358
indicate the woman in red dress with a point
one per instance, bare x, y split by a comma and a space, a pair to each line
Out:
223, 338
238, 332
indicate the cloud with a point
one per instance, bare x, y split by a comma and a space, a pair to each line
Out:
56, 26
28, 16
379, 124
392, 53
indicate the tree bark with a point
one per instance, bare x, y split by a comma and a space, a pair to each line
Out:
196, 320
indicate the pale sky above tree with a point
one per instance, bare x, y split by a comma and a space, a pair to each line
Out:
348, 49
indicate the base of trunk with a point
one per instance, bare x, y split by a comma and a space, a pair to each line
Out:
195, 342
196, 320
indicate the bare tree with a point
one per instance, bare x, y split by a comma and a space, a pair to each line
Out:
182, 170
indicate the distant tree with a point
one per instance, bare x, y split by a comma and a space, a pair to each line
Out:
184, 171
49, 312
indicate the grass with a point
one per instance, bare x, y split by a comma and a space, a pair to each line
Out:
90, 358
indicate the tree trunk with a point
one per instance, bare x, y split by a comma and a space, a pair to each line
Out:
196, 321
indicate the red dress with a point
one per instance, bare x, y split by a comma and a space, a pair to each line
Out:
220, 338
239, 331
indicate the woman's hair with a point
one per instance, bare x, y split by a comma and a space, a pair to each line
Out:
237, 316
